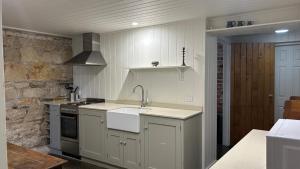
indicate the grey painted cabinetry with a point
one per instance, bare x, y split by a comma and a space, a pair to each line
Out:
172, 143
114, 147
132, 151
124, 149
54, 117
92, 132
163, 143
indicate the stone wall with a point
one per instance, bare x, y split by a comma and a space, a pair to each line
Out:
33, 72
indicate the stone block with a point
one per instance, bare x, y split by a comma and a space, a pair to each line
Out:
53, 57
10, 93
30, 55
15, 115
34, 114
15, 72
40, 71
25, 134
37, 84
20, 85
26, 101
34, 92
11, 55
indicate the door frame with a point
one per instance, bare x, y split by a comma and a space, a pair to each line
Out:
226, 89
277, 45
3, 147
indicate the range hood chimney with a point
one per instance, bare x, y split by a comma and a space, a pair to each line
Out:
91, 55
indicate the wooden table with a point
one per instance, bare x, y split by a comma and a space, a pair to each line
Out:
22, 158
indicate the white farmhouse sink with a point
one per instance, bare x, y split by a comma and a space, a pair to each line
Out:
126, 119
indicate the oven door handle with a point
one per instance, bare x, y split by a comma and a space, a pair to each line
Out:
67, 117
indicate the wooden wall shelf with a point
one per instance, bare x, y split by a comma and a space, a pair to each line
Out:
292, 25
159, 68
180, 69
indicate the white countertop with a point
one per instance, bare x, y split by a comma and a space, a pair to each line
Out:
153, 111
286, 129
56, 102
249, 153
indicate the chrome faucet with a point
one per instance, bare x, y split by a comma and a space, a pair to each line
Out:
143, 102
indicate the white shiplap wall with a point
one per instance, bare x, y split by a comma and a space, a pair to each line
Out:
139, 47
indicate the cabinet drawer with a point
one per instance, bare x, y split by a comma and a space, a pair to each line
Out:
92, 112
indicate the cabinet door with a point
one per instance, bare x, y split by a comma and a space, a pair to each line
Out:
92, 137
54, 115
132, 151
114, 147
162, 143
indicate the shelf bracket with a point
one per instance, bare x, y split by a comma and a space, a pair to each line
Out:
133, 74
181, 72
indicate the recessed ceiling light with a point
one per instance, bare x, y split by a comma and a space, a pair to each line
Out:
282, 31
134, 23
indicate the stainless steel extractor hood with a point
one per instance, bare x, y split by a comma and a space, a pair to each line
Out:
91, 55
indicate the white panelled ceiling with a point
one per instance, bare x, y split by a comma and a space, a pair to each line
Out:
77, 16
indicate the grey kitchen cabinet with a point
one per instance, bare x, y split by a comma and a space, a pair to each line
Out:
124, 149
114, 144
163, 143
54, 125
172, 143
92, 132
132, 151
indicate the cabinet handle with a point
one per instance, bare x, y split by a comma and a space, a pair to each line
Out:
146, 128
121, 142
124, 143
101, 121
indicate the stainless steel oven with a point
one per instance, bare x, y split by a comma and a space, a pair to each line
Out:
69, 130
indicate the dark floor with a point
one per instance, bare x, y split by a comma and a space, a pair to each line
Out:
72, 164
221, 150
76, 164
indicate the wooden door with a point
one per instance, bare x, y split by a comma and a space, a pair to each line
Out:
287, 76
92, 137
252, 88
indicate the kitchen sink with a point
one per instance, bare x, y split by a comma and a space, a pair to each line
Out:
125, 119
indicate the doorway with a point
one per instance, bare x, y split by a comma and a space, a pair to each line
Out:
288, 71
287, 76
252, 88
